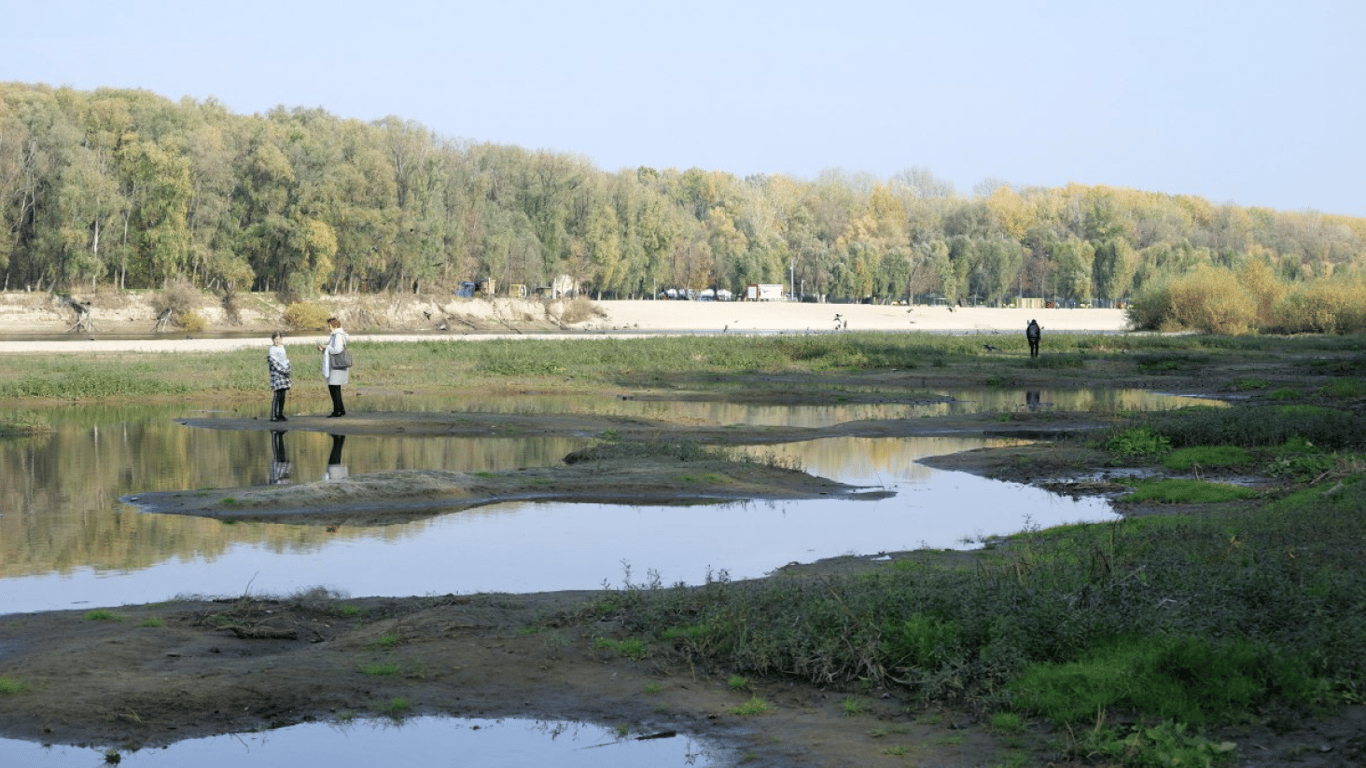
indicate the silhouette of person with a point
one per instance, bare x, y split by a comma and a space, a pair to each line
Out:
336, 470
280, 468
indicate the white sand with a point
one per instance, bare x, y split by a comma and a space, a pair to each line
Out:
622, 318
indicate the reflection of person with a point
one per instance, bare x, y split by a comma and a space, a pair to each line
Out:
1032, 399
336, 470
279, 465
277, 362
335, 377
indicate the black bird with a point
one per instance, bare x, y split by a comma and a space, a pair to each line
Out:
991, 348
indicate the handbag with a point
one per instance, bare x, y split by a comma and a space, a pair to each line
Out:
340, 360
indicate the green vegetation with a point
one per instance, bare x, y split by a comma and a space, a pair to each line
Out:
10, 686
320, 202
396, 708
1133, 636
755, 706
103, 614
737, 682
631, 648
1184, 491
381, 669
1184, 459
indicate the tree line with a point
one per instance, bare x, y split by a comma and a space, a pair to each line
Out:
129, 189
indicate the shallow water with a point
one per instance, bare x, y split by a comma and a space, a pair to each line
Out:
66, 542
416, 741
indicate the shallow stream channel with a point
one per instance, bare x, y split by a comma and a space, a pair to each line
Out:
68, 543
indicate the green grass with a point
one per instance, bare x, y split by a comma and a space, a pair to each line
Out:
151, 622
396, 708
381, 669
10, 686
103, 614
737, 682
1184, 459
632, 648
1185, 491
755, 706
853, 706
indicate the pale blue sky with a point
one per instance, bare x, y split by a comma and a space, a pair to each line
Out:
1253, 102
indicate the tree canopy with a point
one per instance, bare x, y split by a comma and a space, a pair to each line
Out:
127, 188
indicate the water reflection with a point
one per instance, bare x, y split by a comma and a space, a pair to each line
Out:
64, 539
280, 468
336, 470
416, 741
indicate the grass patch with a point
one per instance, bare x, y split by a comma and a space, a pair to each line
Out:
632, 648
737, 682
381, 669
852, 706
755, 706
103, 614
151, 622
1184, 459
11, 686
396, 708
1185, 491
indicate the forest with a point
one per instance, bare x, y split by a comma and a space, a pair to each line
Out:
128, 189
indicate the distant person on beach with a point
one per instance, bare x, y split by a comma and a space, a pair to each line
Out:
336, 365
277, 362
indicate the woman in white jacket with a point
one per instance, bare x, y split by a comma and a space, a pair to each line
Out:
336, 377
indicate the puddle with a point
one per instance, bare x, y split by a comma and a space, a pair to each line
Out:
509, 743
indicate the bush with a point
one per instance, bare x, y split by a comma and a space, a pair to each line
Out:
180, 298
304, 316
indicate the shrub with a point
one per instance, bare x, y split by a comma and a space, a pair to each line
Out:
303, 316
193, 322
180, 298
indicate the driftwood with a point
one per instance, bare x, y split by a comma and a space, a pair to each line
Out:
85, 317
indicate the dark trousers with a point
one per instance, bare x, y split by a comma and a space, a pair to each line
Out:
338, 409
277, 406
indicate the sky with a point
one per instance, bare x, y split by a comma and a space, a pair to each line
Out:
1248, 102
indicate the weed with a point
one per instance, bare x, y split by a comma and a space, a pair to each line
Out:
852, 706
653, 688
755, 706
151, 622
9, 685
1136, 442
382, 669
1244, 385
103, 614
386, 641
396, 707
350, 611
631, 647
1007, 722
1284, 393
737, 682
896, 751
622, 730
1345, 388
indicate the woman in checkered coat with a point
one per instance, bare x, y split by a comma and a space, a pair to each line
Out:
277, 361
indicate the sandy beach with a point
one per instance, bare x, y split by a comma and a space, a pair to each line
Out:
412, 319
